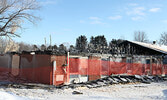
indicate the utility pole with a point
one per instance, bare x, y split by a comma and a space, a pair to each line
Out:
45, 42
50, 40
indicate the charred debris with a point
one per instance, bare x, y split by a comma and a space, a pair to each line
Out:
121, 48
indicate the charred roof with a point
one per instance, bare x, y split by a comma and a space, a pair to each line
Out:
140, 48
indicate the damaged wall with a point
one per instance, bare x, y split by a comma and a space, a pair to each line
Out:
36, 68
31, 68
5, 67
39, 68
98, 67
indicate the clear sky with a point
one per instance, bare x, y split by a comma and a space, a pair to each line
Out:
65, 20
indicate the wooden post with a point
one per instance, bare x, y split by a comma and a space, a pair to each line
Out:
161, 62
67, 68
54, 69
50, 40
151, 66
45, 43
109, 65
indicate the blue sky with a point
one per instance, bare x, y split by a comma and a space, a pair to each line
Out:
65, 20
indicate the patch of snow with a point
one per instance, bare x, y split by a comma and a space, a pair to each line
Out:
10, 96
138, 91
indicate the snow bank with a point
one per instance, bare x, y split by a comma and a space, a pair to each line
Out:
10, 96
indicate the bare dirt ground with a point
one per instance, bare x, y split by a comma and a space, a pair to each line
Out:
138, 91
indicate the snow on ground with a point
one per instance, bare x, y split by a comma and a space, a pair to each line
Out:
10, 96
140, 91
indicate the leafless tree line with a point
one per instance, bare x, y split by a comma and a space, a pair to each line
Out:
140, 36
94, 46
163, 38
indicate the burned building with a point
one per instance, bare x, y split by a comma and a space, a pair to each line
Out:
133, 58
141, 48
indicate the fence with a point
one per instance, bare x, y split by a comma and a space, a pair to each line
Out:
96, 67
32, 68
55, 70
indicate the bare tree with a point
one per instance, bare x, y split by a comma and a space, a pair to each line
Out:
8, 45
140, 36
163, 38
11, 46
13, 13
3, 44
25, 47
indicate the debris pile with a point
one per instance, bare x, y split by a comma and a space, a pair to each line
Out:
116, 79
110, 80
48, 52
